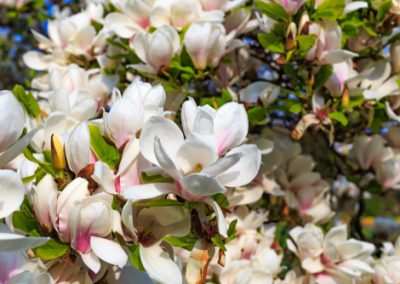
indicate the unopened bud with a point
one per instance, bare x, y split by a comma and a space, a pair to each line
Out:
57, 153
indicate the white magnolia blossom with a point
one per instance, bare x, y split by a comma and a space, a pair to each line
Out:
331, 258
156, 50
196, 163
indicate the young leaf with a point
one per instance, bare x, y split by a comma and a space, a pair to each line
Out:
104, 151
53, 249
322, 76
330, 9
257, 115
159, 203
217, 241
339, 117
273, 10
271, 42
305, 43
27, 100
134, 255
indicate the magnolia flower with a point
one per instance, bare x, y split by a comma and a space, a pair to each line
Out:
291, 6
368, 151
152, 98
337, 81
77, 148
90, 221
387, 267
123, 121
194, 162
205, 44
39, 196
134, 17
179, 13
239, 22
332, 257
148, 226
265, 92
222, 5
156, 50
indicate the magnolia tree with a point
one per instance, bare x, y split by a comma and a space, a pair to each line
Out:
202, 141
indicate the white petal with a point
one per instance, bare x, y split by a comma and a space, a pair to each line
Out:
147, 191
353, 6
160, 266
13, 151
121, 24
230, 126
222, 224
91, 261
13, 242
105, 177
164, 160
109, 251
199, 185
222, 165
129, 156
36, 60
244, 171
338, 55
11, 192
169, 133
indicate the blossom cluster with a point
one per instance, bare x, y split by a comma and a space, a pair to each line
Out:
203, 141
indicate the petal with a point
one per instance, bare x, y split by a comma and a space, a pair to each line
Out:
168, 132
91, 261
197, 185
222, 224
222, 165
164, 160
16, 149
77, 148
13, 242
121, 25
159, 265
230, 126
129, 155
244, 171
147, 191
109, 251
11, 192
338, 55
105, 177
337, 235
188, 115
36, 60
194, 153
353, 6
10, 110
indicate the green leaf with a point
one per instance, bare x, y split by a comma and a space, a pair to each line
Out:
221, 200
24, 218
383, 9
159, 203
305, 43
356, 101
134, 256
53, 249
339, 117
145, 178
323, 75
105, 152
217, 101
186, 242
271, 42
273, 10
330, 9
46, 166
27, 100
231, 231
257, 115
296, 108
217, 241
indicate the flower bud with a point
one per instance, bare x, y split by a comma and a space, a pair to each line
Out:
57, 153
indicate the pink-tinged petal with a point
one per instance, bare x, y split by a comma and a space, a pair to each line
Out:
148, 191
195, 152
91, 261
124, 121
105, 177
74, 191
222, 224
121, 24
9, 262
196, 186
129, 155
169, 133
159, 265
109, 251
245, 170
230, 126
11, 192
